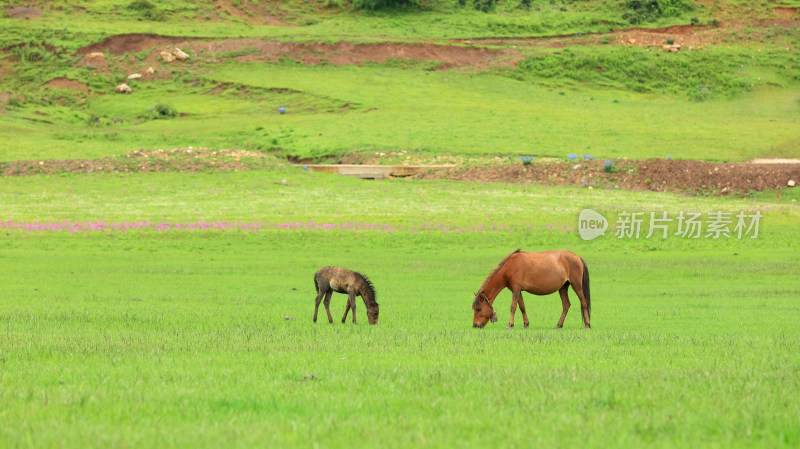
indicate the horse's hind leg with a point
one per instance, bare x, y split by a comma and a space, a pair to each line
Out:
317, 302
578, 288
521, 304
563, 292
328, 305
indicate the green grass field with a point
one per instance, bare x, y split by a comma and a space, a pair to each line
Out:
179, 338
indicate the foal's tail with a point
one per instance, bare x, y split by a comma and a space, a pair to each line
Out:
585, 283
316, 283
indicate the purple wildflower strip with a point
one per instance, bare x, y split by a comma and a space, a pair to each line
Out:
102, 226
80, 227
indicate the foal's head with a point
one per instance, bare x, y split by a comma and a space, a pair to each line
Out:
367, 291
372, 313
484, 312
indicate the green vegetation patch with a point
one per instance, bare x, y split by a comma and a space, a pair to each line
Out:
699, 74
639, 11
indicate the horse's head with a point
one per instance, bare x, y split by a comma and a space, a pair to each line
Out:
484, 312
372, 313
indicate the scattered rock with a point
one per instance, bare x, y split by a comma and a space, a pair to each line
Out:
134, 76
167, 56
96, 54
179, 54
123, 89
775, 161
790, 183
150, 71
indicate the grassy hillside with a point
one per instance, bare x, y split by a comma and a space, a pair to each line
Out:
439, 77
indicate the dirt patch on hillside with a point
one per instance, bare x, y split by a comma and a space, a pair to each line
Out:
682, 176
477, 54
786, 12
308, 53
346, 53
146, 160
689, 36
23, 12
693, 177
66, 83
131, 43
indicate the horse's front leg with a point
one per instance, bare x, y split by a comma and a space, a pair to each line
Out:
564, 305
351, 300
351, 304
346, 311
515, 297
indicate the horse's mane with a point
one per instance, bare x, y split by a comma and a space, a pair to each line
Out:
491, 275
370, 288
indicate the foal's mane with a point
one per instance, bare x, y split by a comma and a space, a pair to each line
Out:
491, 275
371, 289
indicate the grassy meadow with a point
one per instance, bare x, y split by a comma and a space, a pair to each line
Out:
174, 309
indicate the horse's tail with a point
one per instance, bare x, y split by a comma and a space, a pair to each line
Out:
316, 283
585, 282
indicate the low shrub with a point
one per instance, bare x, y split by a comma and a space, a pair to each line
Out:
162, 111
147, 10
640, 11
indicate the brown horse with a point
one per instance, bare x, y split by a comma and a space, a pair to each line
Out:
538, 273
336, 279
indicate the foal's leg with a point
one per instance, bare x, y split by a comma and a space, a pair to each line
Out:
320, 294
578, 288
346, 311
352, 299
515, 297
328, 305
351, 304
563, 291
